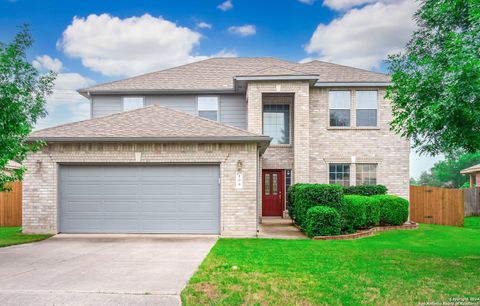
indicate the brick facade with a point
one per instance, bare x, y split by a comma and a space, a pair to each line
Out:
238, 207
315, 144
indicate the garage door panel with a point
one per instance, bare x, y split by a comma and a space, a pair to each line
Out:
83, 206
139, 199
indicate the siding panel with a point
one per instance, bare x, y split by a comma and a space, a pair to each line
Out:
184, 103
106, 105
233, 110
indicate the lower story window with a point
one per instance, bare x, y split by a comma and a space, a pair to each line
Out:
366, 174
339, 174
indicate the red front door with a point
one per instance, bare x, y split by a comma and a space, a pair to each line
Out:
273, 183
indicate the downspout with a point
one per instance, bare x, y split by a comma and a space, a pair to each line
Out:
257, 218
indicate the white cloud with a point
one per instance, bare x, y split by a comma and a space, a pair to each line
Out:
346, 4
245, 30
125, 47
47, 63
226, 53
309, 2
65, 104
203, 25
364, 37
225, 6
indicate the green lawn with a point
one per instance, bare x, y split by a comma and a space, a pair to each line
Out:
431, 264
472, 222
13, 235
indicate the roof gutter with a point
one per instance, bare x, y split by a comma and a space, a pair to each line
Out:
276, 78
263, 141
353, 84
88, 91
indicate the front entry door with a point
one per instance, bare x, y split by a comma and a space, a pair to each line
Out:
273, 193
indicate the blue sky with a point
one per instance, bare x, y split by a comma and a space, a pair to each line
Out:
89, 42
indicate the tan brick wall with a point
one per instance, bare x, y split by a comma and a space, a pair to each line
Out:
238, 207
283, 157
377, 145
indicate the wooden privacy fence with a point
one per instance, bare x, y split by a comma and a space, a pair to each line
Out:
472, 202
11, 206
436, 205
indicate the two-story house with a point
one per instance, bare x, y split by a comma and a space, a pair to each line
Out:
211, 147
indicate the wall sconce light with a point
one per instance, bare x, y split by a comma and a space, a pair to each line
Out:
38, 164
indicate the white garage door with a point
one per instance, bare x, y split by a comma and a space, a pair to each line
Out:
139, 199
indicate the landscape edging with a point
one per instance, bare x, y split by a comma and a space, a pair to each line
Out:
369, 232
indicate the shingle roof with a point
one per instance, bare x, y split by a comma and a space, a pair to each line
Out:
152, 123
276, 71
211, 74
219, 73
329, 72
471, 169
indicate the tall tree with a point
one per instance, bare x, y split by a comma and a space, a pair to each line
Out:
23, 92
436, 82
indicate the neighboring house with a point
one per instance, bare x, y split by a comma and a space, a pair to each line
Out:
474, 174
148, 161
11, 165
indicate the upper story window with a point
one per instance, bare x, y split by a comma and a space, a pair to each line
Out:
339, 174
366, 174
366, 107
208, 107
130, 103
339, 105
276, 122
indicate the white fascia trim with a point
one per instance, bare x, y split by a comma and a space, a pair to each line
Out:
353, 84
276, 78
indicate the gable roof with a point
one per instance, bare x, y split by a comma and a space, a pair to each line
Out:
329, 72
276, 71
149, 124
471, 169
217, 74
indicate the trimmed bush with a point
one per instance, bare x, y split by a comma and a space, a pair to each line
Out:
309, 195
322, 221
354, 213
372, 212
365, 190
291, 200
393, 209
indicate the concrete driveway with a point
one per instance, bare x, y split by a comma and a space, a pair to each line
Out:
100, 269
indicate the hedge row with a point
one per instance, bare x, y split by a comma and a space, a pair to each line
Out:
304, 196
353, 211
322, 221
365, 190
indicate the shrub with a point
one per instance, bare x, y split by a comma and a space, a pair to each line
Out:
309, 195
322, 221
365, 190
291, 200
354, 213
393, 209
372, 212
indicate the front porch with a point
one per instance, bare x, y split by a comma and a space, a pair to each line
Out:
279, 228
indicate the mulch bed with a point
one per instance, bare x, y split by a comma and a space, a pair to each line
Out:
369, 232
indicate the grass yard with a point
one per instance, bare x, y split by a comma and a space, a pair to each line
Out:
431, 264
13, 235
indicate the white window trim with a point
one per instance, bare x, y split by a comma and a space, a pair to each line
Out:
365, 163
290, 122
123, 100
353, 169
353, 110
208, 96
356, 108
352, 124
